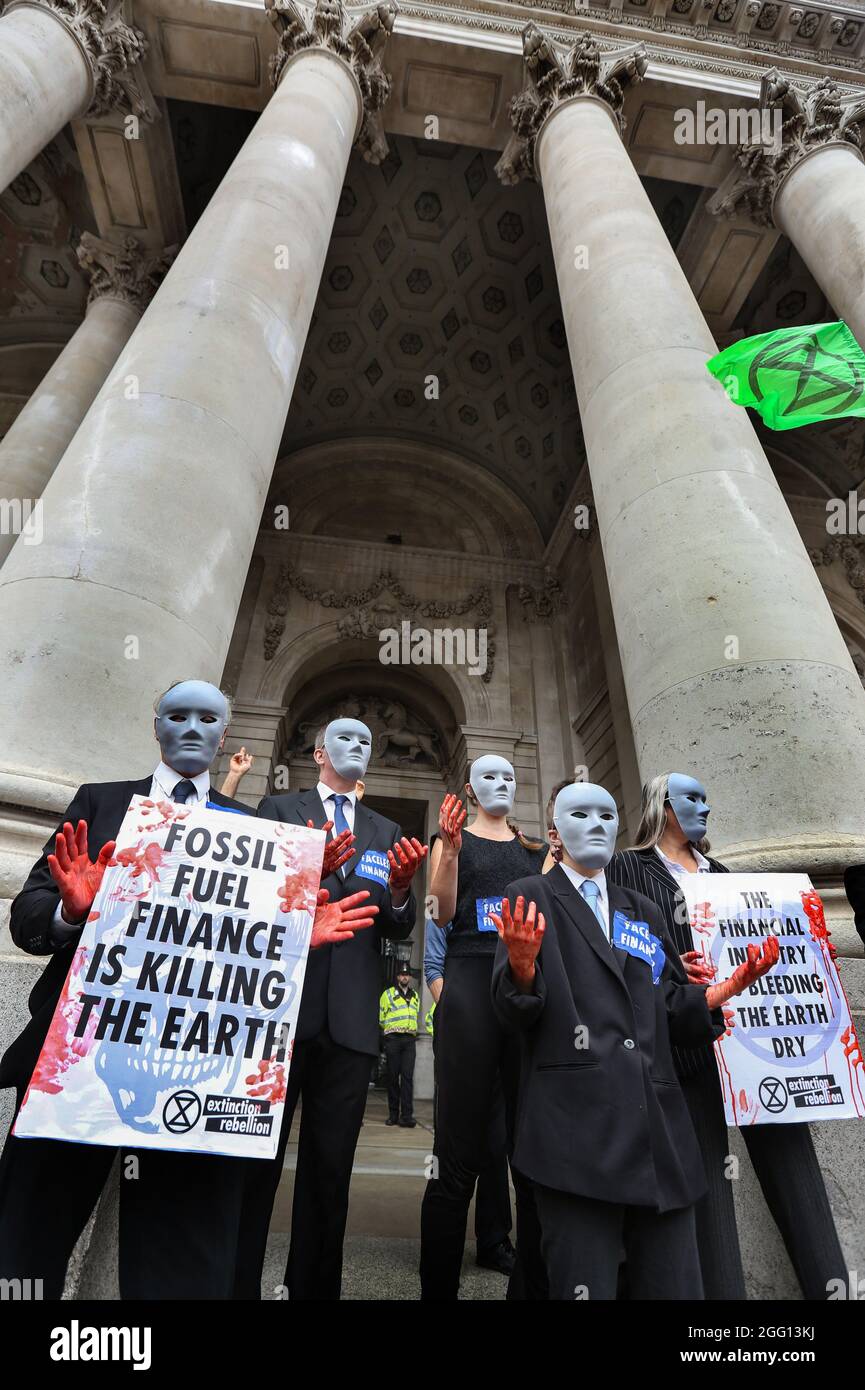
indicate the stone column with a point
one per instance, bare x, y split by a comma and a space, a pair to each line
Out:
151, 515
810, 184
123, 279
733, 663
60, 59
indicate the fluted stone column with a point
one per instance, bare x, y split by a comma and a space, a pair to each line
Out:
733, 663
123, 279
60, 59
811, 186
151, 515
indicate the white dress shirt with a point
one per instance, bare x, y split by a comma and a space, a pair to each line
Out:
679, 870
162, 785
577, 879
327, 794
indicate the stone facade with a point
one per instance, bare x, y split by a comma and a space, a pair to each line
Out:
428, 354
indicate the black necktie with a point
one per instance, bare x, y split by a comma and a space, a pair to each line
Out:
183, 792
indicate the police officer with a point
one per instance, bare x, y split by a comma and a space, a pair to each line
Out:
397, 1016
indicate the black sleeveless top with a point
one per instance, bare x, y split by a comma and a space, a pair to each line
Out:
485, 868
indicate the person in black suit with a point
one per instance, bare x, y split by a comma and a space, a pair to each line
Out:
179, 1212
671, 842
603, 1129
337, 1029
854, 887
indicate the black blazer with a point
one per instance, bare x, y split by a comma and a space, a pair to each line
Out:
609, 1120
103, 805
343, 983
644, 872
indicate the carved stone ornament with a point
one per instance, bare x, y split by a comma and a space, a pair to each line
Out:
369, 612
850, 551
401, 738
810, 120
113, 48
540, 605
122, 270
361, 47
551, 77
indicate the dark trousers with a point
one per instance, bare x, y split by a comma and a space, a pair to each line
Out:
399, 1051
789, 1174
179, 1216
472, 1053
582, 1241
332, 1083
493, 1219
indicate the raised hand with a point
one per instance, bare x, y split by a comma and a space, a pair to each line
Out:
451, 821
241, 762
77, 878
698, 969
760, 960
337, 851
336, 922
522, 936
405, 859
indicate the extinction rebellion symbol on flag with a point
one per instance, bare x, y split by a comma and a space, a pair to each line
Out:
822, 379
795, 376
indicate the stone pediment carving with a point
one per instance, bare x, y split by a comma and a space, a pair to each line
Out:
383, 604
401, 738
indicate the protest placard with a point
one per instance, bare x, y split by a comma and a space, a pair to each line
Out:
793, 1054
175, 1026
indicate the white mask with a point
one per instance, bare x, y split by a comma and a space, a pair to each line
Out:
348, 744
492, 780
586, 818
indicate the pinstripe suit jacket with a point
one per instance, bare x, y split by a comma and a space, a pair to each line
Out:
643, 871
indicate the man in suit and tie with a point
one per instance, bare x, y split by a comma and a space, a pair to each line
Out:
179, 1212
589, 975
337, 1028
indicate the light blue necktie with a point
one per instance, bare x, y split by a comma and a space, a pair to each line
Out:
340, 824
592, 893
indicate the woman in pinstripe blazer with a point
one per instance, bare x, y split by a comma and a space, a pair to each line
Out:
782, 1155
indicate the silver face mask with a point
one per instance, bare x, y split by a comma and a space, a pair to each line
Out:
492, 780
687, 797
586, 818
348, 744
190, 722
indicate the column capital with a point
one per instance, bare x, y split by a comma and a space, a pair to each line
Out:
360, 46
552, 77
112, 48
802, 122
123, 269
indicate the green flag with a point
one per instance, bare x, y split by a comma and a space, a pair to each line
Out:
795, 376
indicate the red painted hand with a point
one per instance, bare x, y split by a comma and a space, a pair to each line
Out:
760, 960
72, 870
451, 821
405, 859
337, 851
335, 922
698, 969
521, 936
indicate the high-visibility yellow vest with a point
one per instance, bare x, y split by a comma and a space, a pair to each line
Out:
396, 1014
429, 1020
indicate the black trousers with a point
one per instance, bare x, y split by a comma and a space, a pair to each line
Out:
789, 1174
332, 1083
493, 1218
179, 1216
399, 1051
582, 1242
472, 1052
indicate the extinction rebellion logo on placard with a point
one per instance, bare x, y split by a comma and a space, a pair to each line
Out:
237, 1115
808, 1091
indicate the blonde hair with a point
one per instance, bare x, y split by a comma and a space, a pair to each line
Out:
653, 817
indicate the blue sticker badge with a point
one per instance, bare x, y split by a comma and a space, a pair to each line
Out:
483, 907
374, 865
637, 940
